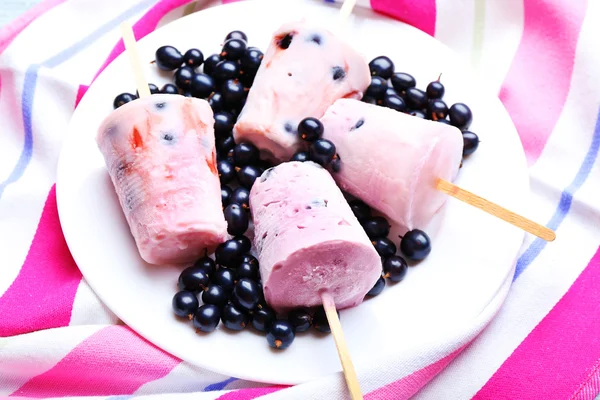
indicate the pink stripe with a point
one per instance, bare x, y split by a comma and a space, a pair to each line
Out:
406, 387
537, 84
591, 387
419, 13
42, 295
81, 91
112, 361
12, 30
250, 394
560, 352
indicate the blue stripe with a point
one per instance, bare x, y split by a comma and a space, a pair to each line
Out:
30, 82
564, 205
219, 385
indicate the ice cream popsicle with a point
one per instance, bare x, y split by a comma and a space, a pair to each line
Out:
392, 160
160, 154
308, 241
305, 69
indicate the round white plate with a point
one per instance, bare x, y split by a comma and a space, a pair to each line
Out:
473, 253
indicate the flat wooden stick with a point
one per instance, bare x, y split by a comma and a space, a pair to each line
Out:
134, 59
342, 347
347, 8
496, 210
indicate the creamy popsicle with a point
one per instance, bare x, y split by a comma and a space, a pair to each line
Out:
305, 69
308, 240
160, 154
392, 160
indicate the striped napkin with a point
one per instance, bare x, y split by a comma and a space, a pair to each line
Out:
542, 58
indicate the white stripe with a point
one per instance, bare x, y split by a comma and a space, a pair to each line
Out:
454, 25
88, 309
183, 378
502, 33
26, 356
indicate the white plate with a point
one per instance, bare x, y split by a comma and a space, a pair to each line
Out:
473, 253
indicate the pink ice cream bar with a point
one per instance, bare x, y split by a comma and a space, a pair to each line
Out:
305, 69
160, 154
308, 240
392, 160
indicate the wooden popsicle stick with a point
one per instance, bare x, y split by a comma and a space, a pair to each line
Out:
346, 9
342, 347
496, 210
134, 59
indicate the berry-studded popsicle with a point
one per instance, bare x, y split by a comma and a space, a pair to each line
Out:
392, 160
160, 154
308, 241
305, 69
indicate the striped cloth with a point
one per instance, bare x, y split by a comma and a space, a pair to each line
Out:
542, 58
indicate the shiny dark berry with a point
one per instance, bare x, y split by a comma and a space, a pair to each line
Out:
320, 321
390, 91
216, 295
245, 153
248, 270
216, 102
207, 318
226, 193
193, 58
444, 121
245, 243
384, 246
233, 93
247, 175
202, 86
415, 245
262, 318
122, 99
280, 334
470, 142
360, 210
245, 294
437, 109
225, 278
153, 90
226, 171
369, 100
234, 318
186, 94
394, 268
377, 88
460, 116
233, 49
416, 98
402, 81
169, 88
417, 113
285, 41
247, 78
207, 264
228, 253
168, 58
435, 90
377, 288
224, 122
251, 60
193, 279
376, 227
241, 196
322, 152
225, 144
310, 129
210, 63
226, 70
301, 156
236, 35
183, 78
300, 319
237, 219
382, 66
336, 163
185, 304
394, 102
